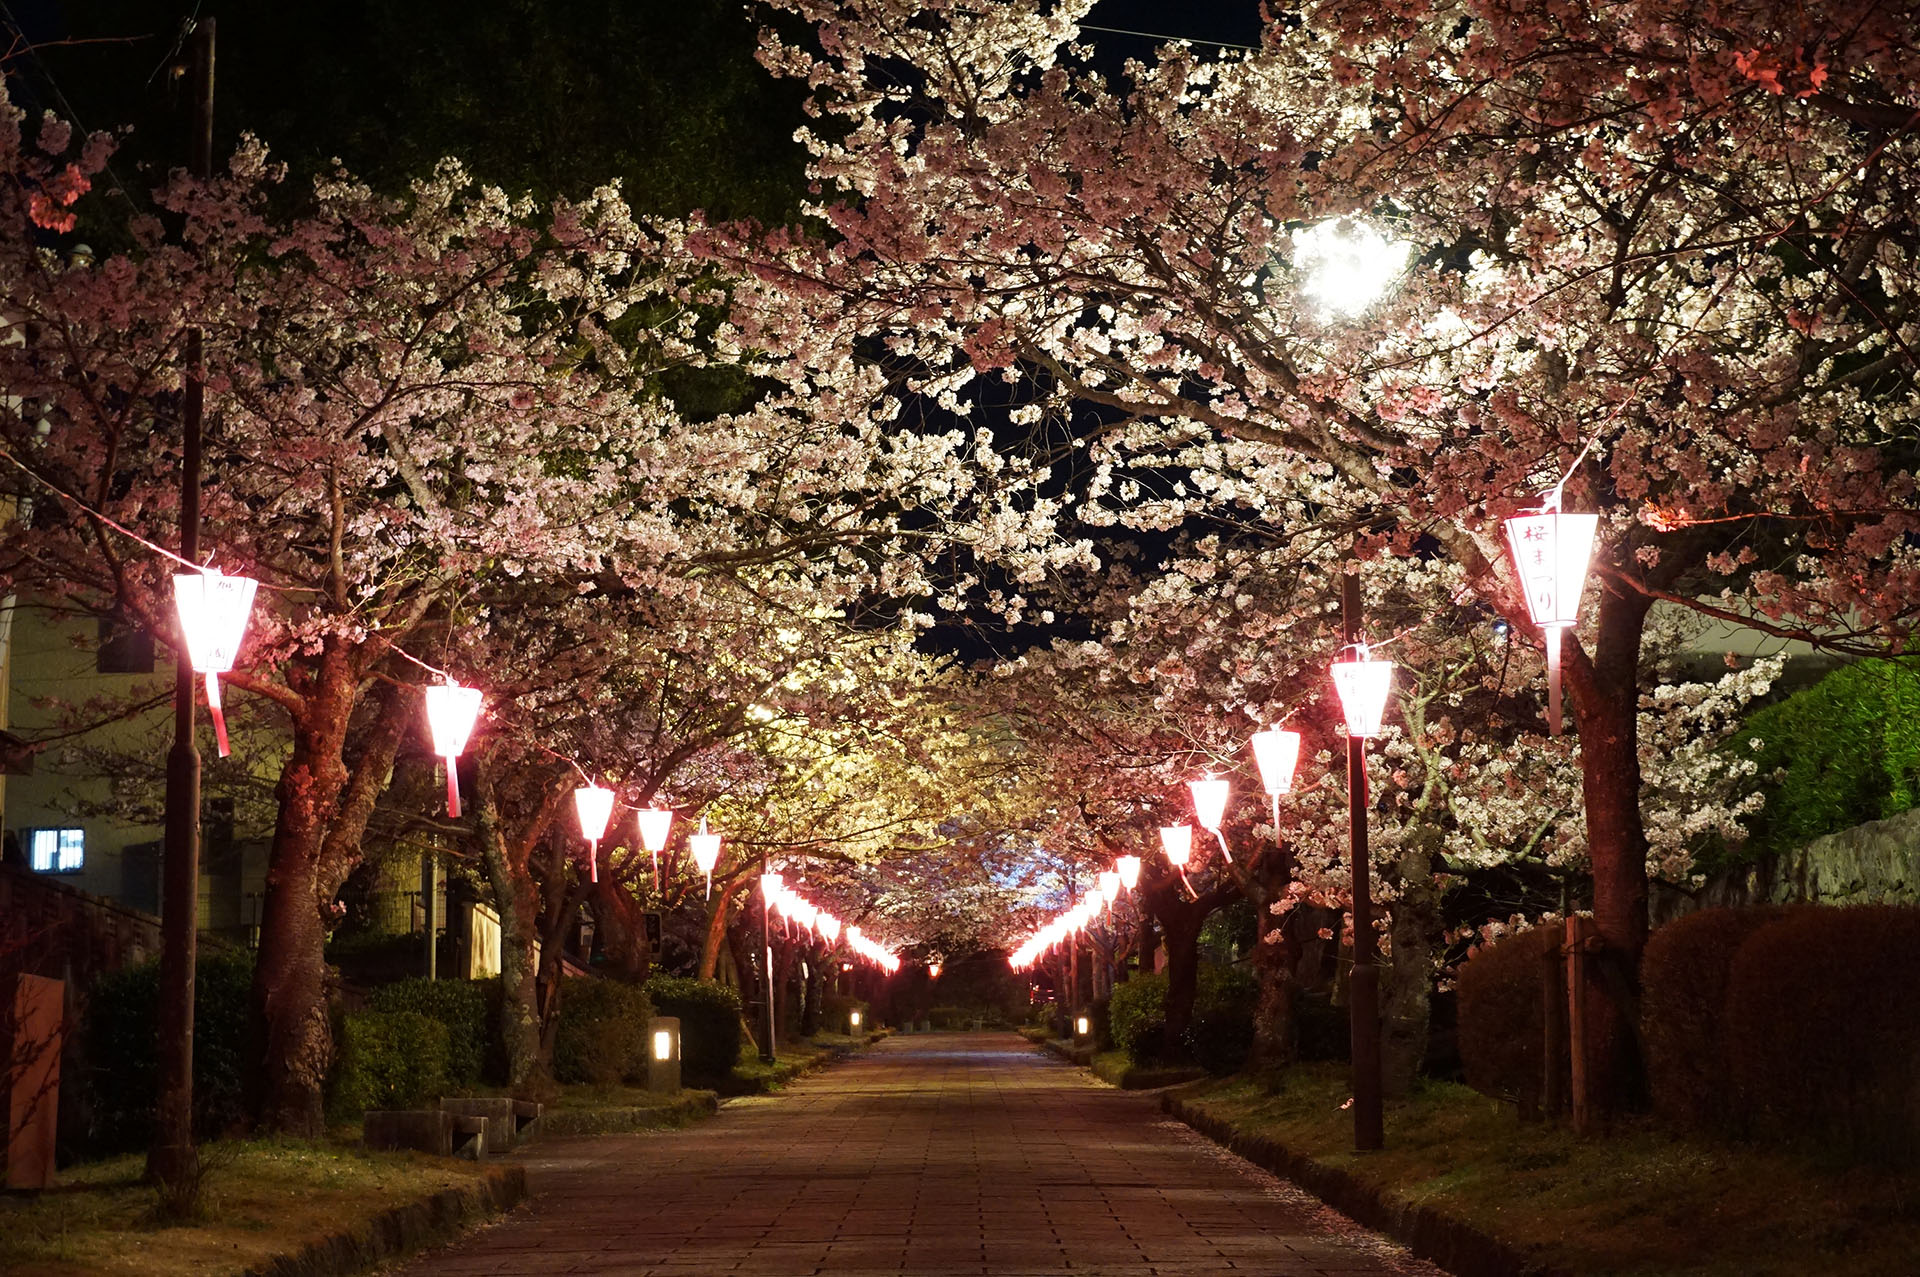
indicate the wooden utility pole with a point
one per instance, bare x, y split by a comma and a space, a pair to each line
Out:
172, 1159
1363, 987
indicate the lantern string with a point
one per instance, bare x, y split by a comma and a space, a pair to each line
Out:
406, 655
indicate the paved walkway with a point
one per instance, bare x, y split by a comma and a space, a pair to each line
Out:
935, 1156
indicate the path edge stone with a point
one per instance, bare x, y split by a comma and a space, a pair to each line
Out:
1438, 1238
400, 1231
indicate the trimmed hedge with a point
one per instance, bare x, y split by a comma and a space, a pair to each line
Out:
119, 1033
1502, 1036
461, 1005
1823, 1029
709, 1016
1221, 1033
602, 1034
1137, 1016
388, 1060
1683, 1011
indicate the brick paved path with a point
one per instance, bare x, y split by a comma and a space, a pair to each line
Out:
936, 1156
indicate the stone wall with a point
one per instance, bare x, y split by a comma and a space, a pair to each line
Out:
1874, 863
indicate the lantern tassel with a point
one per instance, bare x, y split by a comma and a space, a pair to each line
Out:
218, 713
1553, 680
1189, 886
453, 791
1222, 840
656, 871
1276, 818
593, 862
709, 884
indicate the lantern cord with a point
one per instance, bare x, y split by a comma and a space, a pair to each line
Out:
1222, 840
453, 790
1188, 885
404, 654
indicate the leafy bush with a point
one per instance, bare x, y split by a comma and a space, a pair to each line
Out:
602, 1034
1683, 1011
1221, 1033
1823, 1029
1137, 1014
709, 1016
119, 1036
461, 1005
1846, 750
1502, 1036
388, 1060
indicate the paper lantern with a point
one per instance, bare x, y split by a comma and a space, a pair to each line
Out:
1363, 684
655, 824
1550, 552
451, 711
594, 806
213, 610
1177, 842
1209, 801
1129, 870
1110, 888
933, 971
1277, 753
830, 928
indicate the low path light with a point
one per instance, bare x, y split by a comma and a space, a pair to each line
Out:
1550, 552
451, 711
213, 610
655, 824
594, 805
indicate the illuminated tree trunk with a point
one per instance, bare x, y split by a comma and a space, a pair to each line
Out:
514, 897
717, 927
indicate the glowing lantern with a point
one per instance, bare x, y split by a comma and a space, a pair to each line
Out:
770, 885
1363, 684
933, 971
1210, 807
594, 806
1550, 552
1177, 842
1082, 1026
655, 824
706, 852
830, 928
662, 1045
451, 711
1129, 870
853, 1019
1110, 888
213, 610
1277, 752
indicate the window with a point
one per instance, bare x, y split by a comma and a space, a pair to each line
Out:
58, 851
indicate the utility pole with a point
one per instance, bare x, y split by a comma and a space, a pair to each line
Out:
172, 1159
1363, 990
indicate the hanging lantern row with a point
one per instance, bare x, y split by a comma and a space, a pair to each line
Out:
794, 907
1108, 885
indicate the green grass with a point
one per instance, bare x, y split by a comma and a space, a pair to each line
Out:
260, 1199
1636, 1203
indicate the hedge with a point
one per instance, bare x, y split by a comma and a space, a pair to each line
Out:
1502, 1035
461, 1005
1682, 1015
1137, 1016
709, 1015
388, 1060
835, 1007
1221, 1032
1823, 1029
118, 1036
602, 1034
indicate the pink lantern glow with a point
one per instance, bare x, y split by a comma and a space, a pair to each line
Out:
1550, 552
830, 928
706, 852
1277, 752
1177, 842
213, 610
933, 971
1363, 684
1129, 870
1110, 888
451, 711
594, 806
1209, 801
655, 823
770, 884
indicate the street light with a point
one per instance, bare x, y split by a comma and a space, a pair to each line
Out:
594, 806
1550, 552
1346, 265
1363, 684
451, 711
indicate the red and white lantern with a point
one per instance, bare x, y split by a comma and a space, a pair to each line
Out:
1363, 684
594, 806
1210, 795
451, 713
706, 852
655, 824
1128, 868
1177, 842
1550, 552
1277, 753
213, 609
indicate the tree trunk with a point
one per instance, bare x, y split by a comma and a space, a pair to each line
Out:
717, 927
620, 925
515, 899
810, 1006
1406, 1006
1181, 927
1605, 692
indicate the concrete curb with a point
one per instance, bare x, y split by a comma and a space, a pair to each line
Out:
557, 1123
1454, 1245
1133, 1078
402, 1230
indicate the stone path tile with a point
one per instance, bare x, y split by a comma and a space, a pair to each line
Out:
944, 1155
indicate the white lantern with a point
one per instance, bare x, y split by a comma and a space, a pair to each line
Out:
706, 852
594, 806
451, 711
1109, 888
830, 928
1129, 870
1363, 684
213, 610
655, 824
1177, 842
1550, 553
1277, 753
1210, 807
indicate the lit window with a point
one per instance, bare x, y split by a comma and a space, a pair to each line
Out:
59, 851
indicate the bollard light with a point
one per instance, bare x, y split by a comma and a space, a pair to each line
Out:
594, 805
853, 1018
213, 610
1550, 552
662, 1045
1082, 1026
451, 711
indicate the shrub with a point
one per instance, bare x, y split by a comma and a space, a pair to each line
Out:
1683, 1014
388, 1060
709, 1016
602, 1034
951, 1017
119, 1032
1502, 1036
1221, 1033
1823, 1028
835, 1007
1137, 1013
461, 1005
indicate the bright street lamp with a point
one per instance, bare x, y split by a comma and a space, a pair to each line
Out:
1346, 265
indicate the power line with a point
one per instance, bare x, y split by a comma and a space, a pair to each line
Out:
1177, 39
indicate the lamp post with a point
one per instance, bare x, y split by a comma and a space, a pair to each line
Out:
769, 884
1362, 684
